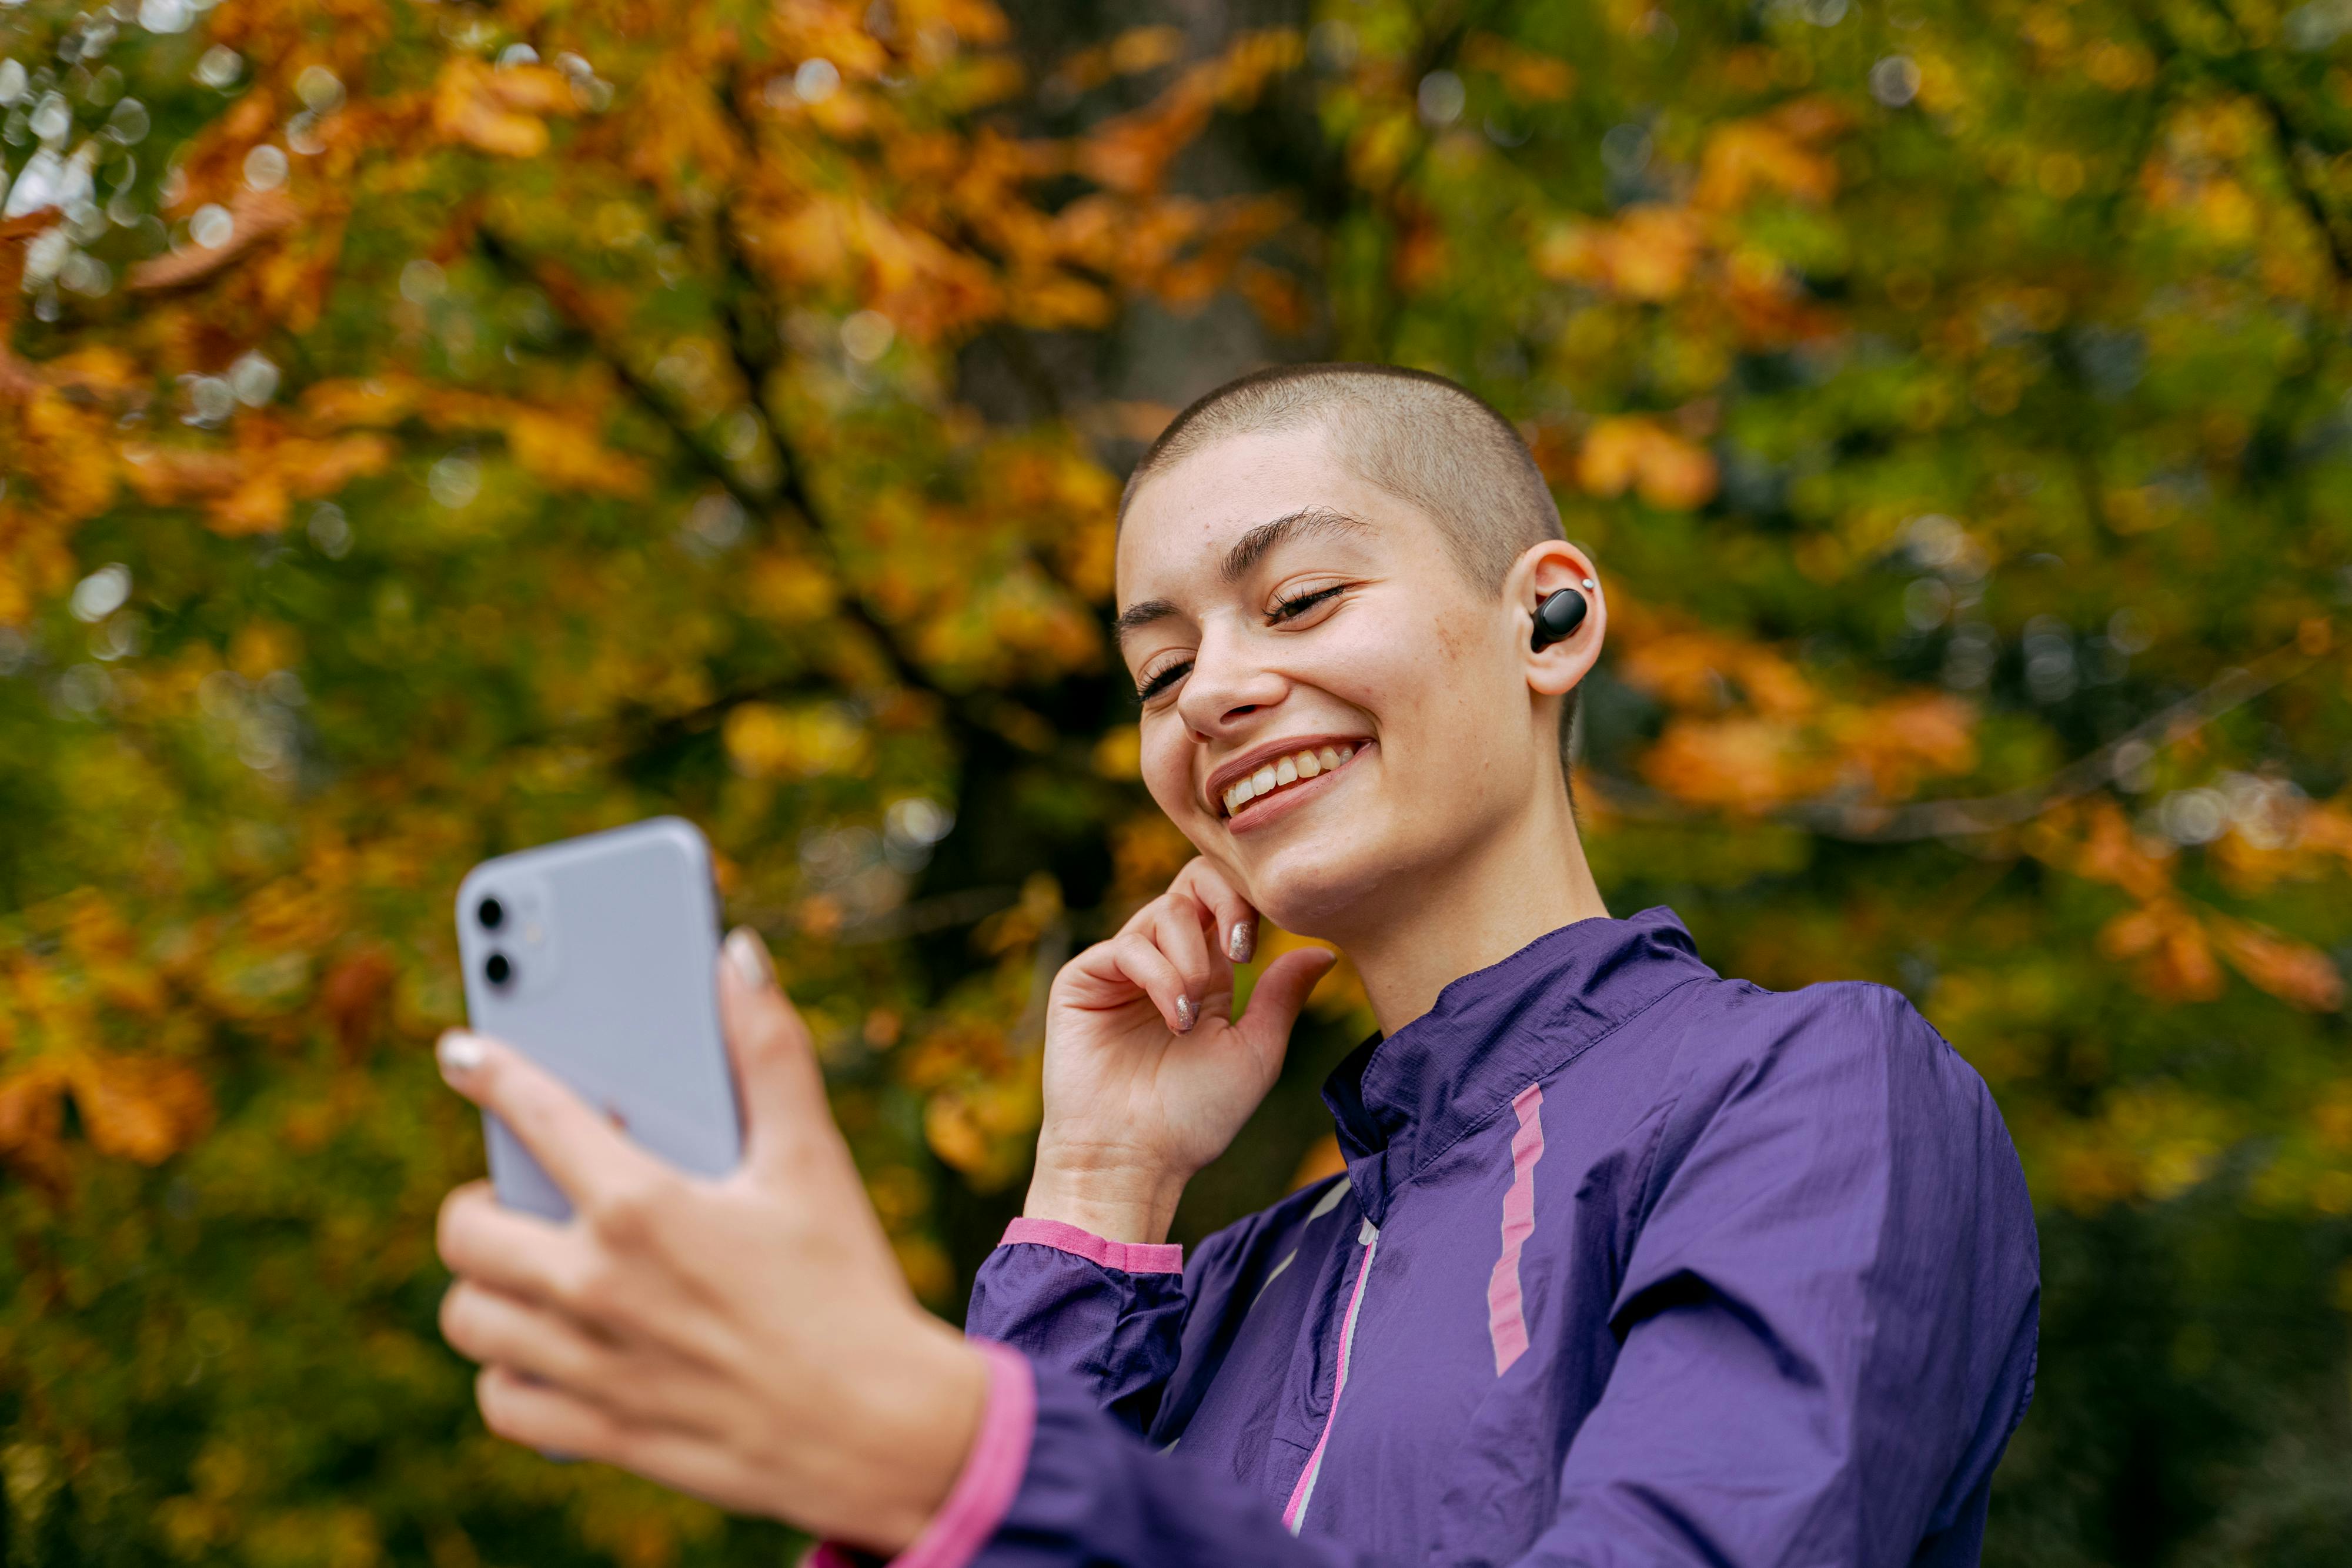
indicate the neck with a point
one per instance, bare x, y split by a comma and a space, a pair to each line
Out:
1520, 883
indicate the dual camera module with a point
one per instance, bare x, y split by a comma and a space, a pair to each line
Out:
498, 968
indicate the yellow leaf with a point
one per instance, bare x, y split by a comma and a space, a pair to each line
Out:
472, 105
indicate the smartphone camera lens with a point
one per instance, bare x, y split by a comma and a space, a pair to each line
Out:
498, 968
491, 914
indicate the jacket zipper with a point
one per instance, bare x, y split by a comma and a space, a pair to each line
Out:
1295, 1515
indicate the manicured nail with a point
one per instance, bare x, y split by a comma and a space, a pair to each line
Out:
459, 1052
1184, 1019
750, 956
1243, 942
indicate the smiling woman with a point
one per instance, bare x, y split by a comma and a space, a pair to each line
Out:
1630, 1261
1350, 556
1461, 1350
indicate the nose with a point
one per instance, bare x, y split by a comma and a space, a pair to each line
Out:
1227, 687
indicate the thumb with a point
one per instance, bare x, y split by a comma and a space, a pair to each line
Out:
1280, 992
776, 1072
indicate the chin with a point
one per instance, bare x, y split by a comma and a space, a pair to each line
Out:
1325, 887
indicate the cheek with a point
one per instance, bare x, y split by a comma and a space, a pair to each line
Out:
1167, 764
1409, 671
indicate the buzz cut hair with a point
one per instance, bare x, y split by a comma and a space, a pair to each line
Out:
1420, 437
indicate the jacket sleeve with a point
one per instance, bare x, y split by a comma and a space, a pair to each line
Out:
1107, 1314
1827, 1326
1829, 1314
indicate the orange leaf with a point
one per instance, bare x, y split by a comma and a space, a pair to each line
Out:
32, 1119
475, 105
2177, 962
1629, 450
1748, 154
2294, 972
353, 995
1742, 763
137, 1108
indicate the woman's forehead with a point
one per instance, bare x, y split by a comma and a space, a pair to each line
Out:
1189, 520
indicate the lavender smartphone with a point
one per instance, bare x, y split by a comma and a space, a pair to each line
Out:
596, 958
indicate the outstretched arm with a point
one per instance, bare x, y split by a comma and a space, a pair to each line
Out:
752, 1339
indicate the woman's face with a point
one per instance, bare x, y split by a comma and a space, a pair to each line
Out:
1330, 710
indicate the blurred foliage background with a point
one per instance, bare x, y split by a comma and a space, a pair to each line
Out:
430, 429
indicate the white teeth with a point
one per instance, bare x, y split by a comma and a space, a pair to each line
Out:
1283, 770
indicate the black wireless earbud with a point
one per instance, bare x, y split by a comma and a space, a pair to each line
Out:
1559, 616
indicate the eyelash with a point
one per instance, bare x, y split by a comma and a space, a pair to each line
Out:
1299, 604
1284, 610
1162, 681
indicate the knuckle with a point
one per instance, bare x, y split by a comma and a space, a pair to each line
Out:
777, 1034
578, 1283
626, 1212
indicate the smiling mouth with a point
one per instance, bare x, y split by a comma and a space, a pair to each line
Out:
1284, 772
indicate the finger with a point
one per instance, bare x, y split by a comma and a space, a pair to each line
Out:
1233, 918
490, 1326
580, 1149
481, 1239
775, 1060
1279, 995
547, 1417
1180, 933
1139, 959
555, 1420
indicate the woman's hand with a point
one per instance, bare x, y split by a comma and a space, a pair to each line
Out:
751, 1341
1148, 1073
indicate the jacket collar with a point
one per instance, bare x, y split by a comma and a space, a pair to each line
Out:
1401, 1100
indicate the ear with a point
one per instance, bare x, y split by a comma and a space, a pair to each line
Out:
1545, 569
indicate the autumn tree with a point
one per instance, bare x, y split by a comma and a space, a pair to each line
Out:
433, 429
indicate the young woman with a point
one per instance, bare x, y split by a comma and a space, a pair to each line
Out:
1630, 1263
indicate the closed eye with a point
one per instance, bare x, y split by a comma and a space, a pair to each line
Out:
1293, 608
1163, 680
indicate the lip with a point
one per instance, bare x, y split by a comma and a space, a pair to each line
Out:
1257, 756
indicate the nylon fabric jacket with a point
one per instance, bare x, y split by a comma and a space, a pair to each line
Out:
1631, 1264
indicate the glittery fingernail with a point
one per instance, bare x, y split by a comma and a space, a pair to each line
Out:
1185, 1018
459, 1052
750, 956
1242, 942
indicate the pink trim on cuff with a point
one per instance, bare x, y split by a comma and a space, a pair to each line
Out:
1131, 1257
992, 1476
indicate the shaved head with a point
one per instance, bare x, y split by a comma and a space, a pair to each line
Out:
1417, 436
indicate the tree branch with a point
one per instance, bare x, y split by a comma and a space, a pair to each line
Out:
1881, 824
794, 491
2244, 72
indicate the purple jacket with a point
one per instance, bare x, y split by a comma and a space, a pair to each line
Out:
1632, 1265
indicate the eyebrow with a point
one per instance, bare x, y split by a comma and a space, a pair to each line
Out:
1248, 550
1261, 541
1136, 617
